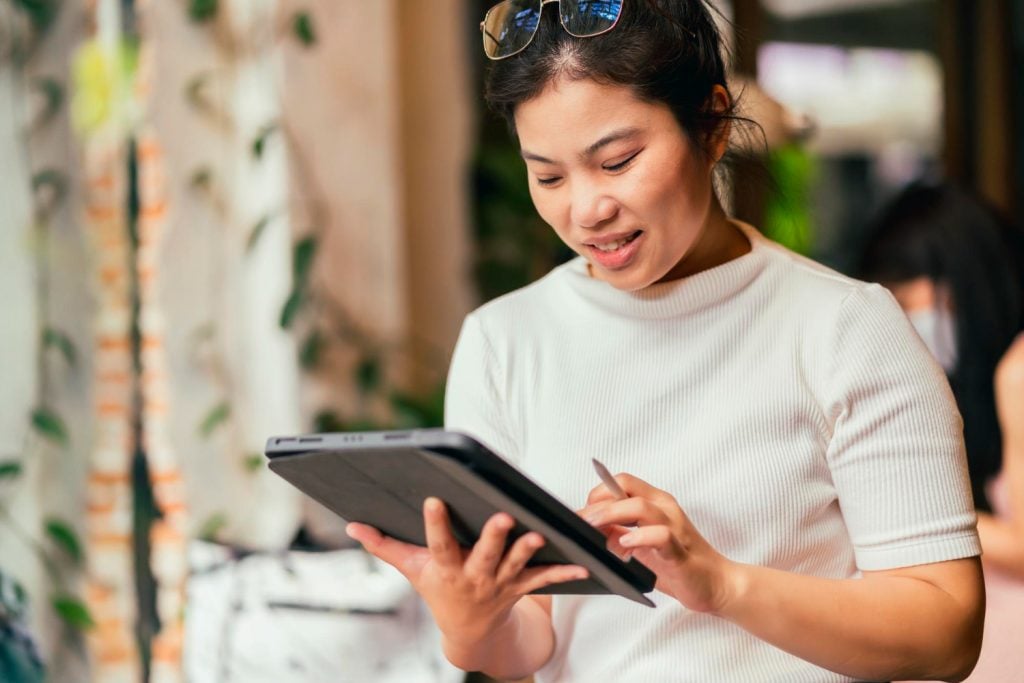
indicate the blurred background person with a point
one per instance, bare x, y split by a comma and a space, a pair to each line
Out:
955, 266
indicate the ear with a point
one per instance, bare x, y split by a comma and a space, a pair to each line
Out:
718, 139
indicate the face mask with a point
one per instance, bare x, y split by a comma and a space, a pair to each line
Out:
937, 329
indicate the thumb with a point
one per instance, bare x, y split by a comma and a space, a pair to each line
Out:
407, 558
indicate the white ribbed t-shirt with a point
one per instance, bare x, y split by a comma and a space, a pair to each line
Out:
792, 412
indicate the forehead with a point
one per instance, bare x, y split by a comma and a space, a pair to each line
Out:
577, 112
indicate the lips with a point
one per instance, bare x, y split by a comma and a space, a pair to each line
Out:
615, 251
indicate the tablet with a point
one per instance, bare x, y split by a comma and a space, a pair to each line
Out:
382, 478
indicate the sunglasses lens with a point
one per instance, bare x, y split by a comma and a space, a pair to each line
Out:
509, 26
585, 18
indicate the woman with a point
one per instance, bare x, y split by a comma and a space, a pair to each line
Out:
955, 268
792, 454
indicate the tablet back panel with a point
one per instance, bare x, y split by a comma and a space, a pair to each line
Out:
382, 478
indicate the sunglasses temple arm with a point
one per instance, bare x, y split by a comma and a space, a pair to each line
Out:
488, 34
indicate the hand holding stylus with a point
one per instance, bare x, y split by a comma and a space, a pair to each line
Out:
649, 524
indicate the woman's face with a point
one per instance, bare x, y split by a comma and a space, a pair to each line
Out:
617, 179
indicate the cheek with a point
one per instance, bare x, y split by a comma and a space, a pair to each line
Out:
548, 206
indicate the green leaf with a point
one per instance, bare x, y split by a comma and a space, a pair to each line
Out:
309, 354
10, 469
368, 375
202, 10
303, 26
302, 258
50, 425
60, 341
53, 95
260, 143
73, 611
420, 411
257, 232
201, 178
40, 12
292, 307
213, 525
195, 92
48, 187
65, 537
215, 418
328, 421
254, 462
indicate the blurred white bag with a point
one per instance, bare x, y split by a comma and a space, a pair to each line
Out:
306, 617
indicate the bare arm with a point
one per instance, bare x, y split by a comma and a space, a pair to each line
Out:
911, 623
915, 623
1002, 538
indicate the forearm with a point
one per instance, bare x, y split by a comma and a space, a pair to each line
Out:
521, 645
1002, 543
879, 627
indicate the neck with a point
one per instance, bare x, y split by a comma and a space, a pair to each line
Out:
720, 241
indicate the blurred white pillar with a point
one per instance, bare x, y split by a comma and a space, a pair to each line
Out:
379, 117
19, 336
216, 86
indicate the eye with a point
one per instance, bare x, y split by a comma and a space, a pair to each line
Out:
548, 182
624, 163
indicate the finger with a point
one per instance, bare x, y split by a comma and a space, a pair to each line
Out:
405, 557
518, 555
658, 538
536, 578
628, 512
486, 553
635, 486
443, 547
593, 509
600, 494
613, 534
631, 485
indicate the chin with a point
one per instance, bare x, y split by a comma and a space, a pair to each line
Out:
627, 281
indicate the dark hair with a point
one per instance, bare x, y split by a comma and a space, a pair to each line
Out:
943, 233
666, 51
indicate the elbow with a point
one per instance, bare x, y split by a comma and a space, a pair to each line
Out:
961, 666
965, 649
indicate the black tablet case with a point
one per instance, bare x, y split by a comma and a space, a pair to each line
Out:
382, 478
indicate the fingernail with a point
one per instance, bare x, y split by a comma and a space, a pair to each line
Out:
626, 540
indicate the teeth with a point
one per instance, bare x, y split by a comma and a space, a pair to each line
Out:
612, 246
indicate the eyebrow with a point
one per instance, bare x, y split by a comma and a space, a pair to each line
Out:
592, 149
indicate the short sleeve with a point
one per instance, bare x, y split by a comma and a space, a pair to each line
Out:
475, 396
897, 451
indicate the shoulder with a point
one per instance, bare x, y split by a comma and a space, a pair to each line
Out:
824, 295
527, 306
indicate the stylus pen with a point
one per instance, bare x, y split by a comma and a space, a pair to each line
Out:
616, 490
609, 480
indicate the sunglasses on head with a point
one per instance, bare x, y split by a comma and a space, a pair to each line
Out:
509, 26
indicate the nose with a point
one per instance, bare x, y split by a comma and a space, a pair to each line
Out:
591, 207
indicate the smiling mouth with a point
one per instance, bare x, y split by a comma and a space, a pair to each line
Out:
617, 244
